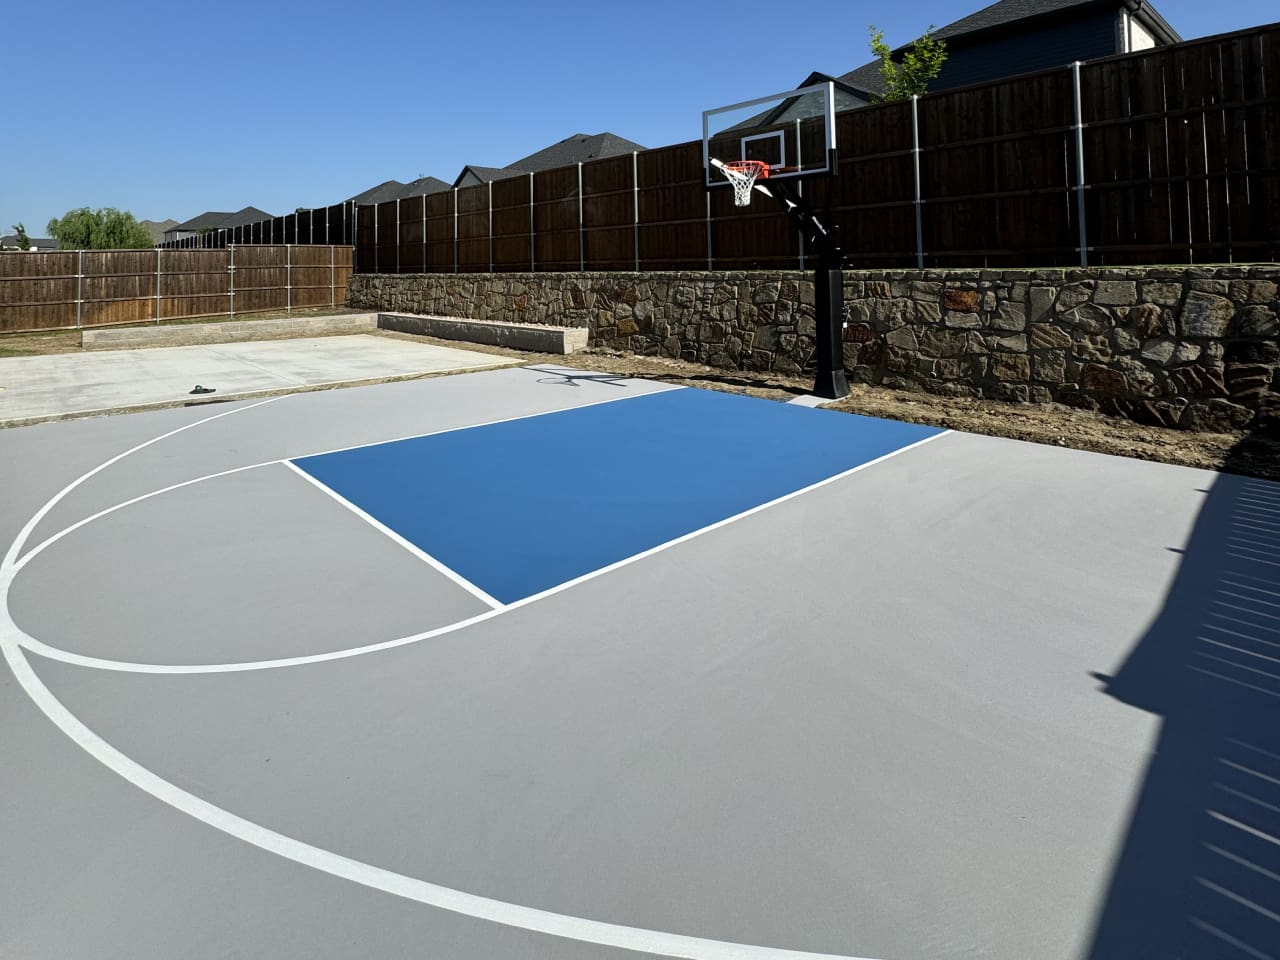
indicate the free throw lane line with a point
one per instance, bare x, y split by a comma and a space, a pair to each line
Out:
390, 534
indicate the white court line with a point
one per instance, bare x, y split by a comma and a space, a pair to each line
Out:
365, 874
13, 639
20, 541
124, 666
391, 535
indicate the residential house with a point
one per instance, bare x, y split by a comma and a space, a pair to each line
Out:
473, 175
578, 148
1011, 37
423, 185
212, 220
395, 190
36, 244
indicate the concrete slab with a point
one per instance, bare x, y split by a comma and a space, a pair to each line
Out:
231, 331
33, 389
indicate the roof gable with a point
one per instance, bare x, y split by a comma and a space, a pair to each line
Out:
387, 190
205, 221
243, 217
577, 148
219, 220
423, 185
478, 174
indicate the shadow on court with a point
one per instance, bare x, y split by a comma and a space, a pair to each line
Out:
573, 378
1199, 873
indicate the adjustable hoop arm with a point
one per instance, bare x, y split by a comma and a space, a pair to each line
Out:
815, 231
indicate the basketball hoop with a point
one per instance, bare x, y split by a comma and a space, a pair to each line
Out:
743, 175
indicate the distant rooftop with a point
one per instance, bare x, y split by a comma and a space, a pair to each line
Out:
10, 242
218, 220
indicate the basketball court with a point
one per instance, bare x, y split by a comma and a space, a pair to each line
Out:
539, 663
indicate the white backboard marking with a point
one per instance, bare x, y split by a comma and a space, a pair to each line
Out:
793, 131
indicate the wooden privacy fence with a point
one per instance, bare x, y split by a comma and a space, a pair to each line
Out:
324, 225
1167, 156
96, 288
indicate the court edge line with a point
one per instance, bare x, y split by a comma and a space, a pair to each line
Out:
50, 541
395, 538
123, 666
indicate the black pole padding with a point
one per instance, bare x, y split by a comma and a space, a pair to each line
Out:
831, 383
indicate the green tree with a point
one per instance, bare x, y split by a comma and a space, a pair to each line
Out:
24, 243
104, 229
921, 62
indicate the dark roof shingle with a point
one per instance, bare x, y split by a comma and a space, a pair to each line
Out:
423, 185
204, 221
486, 174
218, 220
37, 243
576, 149
387, 190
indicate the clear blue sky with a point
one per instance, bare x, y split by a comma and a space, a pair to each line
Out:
170, 109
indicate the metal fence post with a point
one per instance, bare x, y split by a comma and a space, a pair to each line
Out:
1080, 215
455, 229
158, 276
533, 241
80, 284
288, 278
915, 163
375, 238
333, 296
346, 231
424, 233
582, 247
231, 271
397, 234
635, 207
800, 185
491, 226
708, 229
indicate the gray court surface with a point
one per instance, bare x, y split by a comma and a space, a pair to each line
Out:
46, 387
983, 699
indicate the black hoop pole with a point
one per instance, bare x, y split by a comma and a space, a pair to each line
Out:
828, 287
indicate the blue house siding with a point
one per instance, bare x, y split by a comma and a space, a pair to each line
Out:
979, 60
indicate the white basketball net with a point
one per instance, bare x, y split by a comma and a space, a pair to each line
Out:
743, 179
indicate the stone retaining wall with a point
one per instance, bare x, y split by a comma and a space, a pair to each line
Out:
1192, 347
